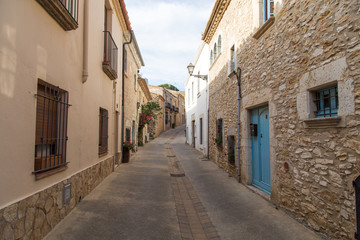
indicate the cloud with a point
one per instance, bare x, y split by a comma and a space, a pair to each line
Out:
168, 33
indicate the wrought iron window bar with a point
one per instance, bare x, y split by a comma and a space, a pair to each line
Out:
64, 12
72, 7
110, 62
103, 131
51, 128
326, 102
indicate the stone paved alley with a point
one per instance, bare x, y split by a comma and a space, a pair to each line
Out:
169, 191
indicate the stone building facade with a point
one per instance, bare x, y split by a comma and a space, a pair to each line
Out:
300, 82
144, 97
174, 106
157, 126
180, 107
133, 96
61, 72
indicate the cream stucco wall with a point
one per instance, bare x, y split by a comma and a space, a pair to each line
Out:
33, 46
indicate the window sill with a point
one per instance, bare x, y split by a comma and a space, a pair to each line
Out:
102, 154
323, 122
264, 27
42, 175
232, 72
111, 73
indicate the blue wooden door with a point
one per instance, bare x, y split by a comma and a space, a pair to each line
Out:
261, 149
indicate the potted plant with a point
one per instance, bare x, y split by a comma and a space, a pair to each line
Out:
127, 147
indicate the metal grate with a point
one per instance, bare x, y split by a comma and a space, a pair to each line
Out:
51, 127
356, 185
110, 52
72, 7
177, 174
326, 102
103, 131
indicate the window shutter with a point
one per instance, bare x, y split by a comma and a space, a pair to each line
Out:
46, 115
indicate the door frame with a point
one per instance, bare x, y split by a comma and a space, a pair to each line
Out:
262, 185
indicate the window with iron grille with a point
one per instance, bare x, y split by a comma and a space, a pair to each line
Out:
166, 117
125, 60
231, 149
326, 101
51, 127
103, 131
127, 135
268, 9
219, 132
201, 131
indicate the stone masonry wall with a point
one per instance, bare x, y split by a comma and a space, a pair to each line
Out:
312, 168
35, 216
236, 24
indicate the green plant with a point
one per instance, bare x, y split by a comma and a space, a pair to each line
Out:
130, 145
218, 140
169, 86
149, 112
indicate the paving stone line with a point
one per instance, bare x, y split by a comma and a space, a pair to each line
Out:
193, 219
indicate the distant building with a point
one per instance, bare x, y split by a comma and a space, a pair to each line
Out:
174, 106
157, 126
144, 97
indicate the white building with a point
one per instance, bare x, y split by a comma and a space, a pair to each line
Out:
197, 102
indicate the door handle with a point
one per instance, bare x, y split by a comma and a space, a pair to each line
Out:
261, 135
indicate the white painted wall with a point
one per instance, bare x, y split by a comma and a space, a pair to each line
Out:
197, 107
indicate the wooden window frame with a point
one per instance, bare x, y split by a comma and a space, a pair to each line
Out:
269, 6
52, 105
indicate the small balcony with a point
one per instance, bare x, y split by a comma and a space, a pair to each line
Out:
110, 56
168, 105
64, 12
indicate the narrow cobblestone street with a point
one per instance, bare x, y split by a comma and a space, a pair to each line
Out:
169, 191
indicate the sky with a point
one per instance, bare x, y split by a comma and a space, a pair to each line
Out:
168, 33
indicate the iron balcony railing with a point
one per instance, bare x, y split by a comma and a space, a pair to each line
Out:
110, 56
168, 105
72, 7
64, 12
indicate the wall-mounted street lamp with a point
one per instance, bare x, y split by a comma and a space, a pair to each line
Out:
191, 67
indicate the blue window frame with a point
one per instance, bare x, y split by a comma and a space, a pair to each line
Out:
327, 102
268, 9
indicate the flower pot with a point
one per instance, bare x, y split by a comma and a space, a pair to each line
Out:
126, 155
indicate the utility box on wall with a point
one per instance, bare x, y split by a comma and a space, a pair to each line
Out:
66, 193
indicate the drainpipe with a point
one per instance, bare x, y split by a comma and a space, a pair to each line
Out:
123, 93
164, 94
85, 73
238, 77
207, 105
